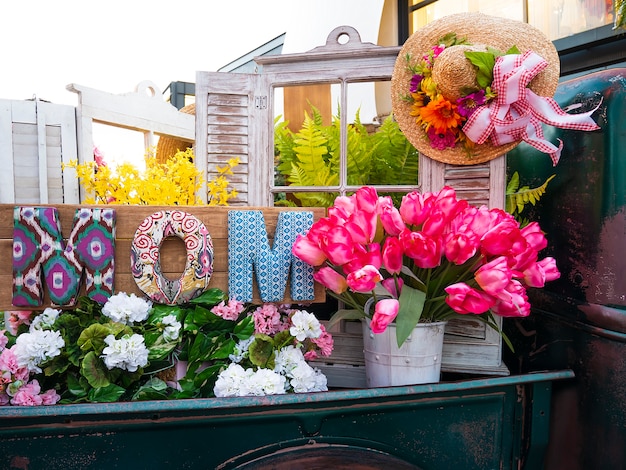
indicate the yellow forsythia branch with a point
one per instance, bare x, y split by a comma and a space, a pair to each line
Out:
175, 182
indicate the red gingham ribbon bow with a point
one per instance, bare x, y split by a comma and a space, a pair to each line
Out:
517, 112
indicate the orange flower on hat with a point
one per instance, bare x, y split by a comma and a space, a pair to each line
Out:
441, 114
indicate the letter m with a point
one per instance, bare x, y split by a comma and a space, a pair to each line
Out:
249, 252
40, 252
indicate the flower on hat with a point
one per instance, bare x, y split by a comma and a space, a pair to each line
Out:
440, 116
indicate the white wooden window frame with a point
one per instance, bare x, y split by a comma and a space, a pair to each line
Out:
234, 118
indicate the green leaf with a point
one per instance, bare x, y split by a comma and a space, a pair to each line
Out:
92, 338
345, 314
153, 389
107, 394
411, 308
75, 387
223, 349
484, 61
245, 328
94, 370
210, 297
261, 351
513, 50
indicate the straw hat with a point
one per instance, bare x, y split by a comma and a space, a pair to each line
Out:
452, 71
167, 146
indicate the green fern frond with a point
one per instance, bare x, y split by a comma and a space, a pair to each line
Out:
516, 199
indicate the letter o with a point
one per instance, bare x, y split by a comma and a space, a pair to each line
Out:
145, 255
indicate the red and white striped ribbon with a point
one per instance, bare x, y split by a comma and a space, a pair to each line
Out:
517, 112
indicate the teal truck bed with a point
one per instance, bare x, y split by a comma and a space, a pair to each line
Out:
492, 423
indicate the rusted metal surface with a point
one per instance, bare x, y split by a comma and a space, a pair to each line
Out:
579, 321
472, 424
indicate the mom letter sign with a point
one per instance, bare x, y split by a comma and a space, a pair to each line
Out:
168, 254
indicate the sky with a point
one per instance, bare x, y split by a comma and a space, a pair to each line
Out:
113, 45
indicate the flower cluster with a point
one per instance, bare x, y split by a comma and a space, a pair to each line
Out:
440, 116
435, 258
81, 354
273, 360
126, 348
175, 182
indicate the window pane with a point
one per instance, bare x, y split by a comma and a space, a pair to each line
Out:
306, 142
512, 9
378, 152
561, 18
309, 142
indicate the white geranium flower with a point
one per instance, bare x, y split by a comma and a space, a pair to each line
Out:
304, 325
172, 328
241, 350
45, 319
126, 309
33, 348
287, 359
128, 353
306, 379
266, 382
232, 381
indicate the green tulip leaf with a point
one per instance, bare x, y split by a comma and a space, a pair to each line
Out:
411, 308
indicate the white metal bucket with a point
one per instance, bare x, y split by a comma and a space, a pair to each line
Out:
417, 361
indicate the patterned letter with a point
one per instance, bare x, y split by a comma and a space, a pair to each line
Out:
38, 246
248, 248
145, 252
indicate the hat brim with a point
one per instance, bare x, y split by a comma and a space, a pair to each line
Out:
477, 28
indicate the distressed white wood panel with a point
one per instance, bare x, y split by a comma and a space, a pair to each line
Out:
231, 122
36, 137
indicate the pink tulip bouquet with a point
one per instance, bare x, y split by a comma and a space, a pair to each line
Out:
433, 259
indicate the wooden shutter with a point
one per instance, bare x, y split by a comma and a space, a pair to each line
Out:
233, 120
36, 137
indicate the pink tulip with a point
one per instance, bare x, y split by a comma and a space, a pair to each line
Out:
364, 255
364, 279
308, 251
367, 199
424, 250
521, 255
494, 276
362, 226
393, 285
447, 203
459, 247
390, 217
338, 245
392, 255
500, 238
415, 207
512, 302
435, 224
541, 272
479, 220
331, 279
319, 229
343, 207
385, 312
463, 299
534, 236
